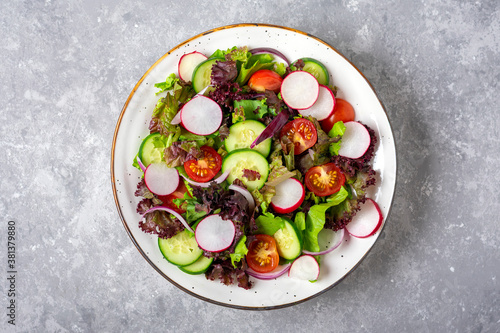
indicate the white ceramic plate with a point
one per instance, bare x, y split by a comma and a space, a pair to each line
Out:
132, 127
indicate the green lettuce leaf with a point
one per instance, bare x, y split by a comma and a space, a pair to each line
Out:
315, 219
168, 84
268, 224
240, 251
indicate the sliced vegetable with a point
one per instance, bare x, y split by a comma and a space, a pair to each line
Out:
274, 126
328, 240
217, 180
276, 273
299, 90
317, 69
265, 79
289, 196
367, 221
244, 163
288, 241
214, 234
302, 133
181, 249
355, 141
202, 72
272, 51
201, 115
242, 134
168, 200
324, 180
200, 266
171, 211
246, 194
188, 63
139, 162
151, 149
160, 179
205, 168
262, 254
305, 267
343, 111
324, 105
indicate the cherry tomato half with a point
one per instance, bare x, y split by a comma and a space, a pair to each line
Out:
263, 254
302, 133
167, 200
343, 111
265, 79
324, 180
204, 169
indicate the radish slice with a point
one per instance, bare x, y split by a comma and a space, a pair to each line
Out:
160, 179
355, 141
188, 63
277, 272
246, 194
171, 211
141, 165
214, 234
201, 115
324, 105
176, 120
217, 180
304, 267
299, 90
289, 196
331, 238
367, 220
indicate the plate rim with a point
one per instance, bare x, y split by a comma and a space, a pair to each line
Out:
113, 179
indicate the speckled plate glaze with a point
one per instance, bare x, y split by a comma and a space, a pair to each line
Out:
132, 127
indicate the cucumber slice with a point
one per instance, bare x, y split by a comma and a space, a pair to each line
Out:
317, 69
241, 159
152, 148
202, 73
288, 241
242, 134
180, 250
200, 266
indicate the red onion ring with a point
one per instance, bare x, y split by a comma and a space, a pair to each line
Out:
277, 272
246, 194
272, 51
171, 211
218, 180
141, 165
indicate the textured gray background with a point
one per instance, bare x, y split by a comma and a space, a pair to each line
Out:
66, 71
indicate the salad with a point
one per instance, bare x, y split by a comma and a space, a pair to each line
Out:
251, 162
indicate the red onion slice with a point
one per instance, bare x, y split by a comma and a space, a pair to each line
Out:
277, 272
218, 180
141, 165
177, 119
246, 194
173, 212
274, 126
335, 242
272, 51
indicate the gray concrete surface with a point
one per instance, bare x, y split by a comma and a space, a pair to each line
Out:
67, 68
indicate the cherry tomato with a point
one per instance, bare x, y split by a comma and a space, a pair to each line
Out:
265, 79
263, 254
324, 180
204, 169
167, 200
343, 111
302, 133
